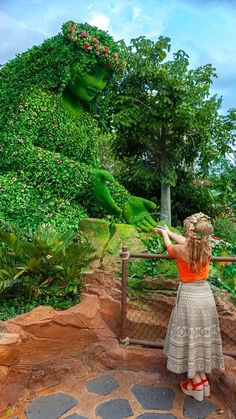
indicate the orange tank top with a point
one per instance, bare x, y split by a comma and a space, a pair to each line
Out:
185, 272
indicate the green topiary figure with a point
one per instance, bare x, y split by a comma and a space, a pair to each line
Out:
48, 139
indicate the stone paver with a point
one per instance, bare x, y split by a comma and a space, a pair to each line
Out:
198, 410
114, 409
133, 397
102, 385
50, 407
150, 397
156, 416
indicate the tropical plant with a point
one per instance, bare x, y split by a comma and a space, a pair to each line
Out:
43, 263
226, 230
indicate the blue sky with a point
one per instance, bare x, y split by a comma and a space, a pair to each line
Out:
205, 29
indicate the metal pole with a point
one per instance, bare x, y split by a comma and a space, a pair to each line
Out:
124, 266
157, 256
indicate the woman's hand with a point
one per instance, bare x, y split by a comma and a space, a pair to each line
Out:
167, 229
161, 229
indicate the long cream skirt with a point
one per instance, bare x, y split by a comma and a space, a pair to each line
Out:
193, 341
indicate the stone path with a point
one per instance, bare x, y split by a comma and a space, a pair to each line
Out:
117, 395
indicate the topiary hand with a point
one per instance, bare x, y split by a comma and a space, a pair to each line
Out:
136, 212
102, 193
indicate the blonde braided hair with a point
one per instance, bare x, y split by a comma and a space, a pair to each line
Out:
198, 248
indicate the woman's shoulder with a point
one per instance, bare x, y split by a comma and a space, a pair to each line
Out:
174, 250
178, 250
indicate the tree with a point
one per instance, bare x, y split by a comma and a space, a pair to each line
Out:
164, 116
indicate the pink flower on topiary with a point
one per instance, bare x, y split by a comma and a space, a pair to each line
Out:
89, 41
87, 46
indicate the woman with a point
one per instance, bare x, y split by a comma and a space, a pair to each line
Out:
193, 341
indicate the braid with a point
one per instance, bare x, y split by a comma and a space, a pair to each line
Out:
198, 240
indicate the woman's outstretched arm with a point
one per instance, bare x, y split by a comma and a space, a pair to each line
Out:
177, 237
165, 236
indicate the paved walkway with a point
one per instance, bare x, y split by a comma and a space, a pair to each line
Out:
117, 395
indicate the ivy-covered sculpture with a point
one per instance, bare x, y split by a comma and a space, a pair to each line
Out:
48, 139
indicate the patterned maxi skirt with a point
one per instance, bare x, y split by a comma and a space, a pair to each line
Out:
193, 341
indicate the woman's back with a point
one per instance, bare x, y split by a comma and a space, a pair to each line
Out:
186, 274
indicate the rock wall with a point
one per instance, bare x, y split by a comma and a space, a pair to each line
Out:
44, 347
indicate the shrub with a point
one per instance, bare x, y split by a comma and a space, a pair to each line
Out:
225, 229
43, 263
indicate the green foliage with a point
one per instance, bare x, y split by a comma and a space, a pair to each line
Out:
229, 275
112, 230
148, 276
42, 263
218, 283
48, 156
223, 275
223, 189
95, 42
143, 288
225, 229
188, 199
164, 116
14, 306
151, 267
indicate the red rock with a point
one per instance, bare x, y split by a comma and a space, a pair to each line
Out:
49, 346
8, 355
3, 374
8, 338
226, 383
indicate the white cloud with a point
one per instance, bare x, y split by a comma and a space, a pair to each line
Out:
136, 12
117, 6
101, 21
6, 21
16, 37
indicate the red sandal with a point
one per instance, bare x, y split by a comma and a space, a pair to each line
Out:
197, 394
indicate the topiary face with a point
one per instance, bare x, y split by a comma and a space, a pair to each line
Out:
86, 86
50, 66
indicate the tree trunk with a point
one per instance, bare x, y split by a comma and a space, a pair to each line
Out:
165, 203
